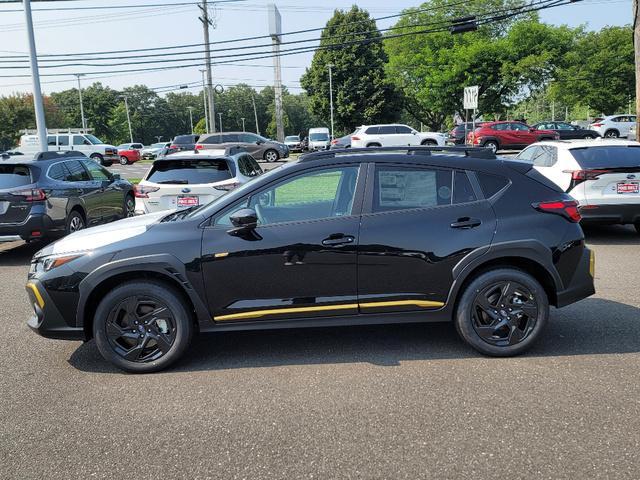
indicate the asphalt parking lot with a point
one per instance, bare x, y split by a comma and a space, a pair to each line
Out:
409, 401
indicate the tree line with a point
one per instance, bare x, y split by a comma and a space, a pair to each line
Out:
519, 64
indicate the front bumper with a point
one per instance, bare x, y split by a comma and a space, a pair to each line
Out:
47, 320
29, 228
582, 283
611, 214
112, 157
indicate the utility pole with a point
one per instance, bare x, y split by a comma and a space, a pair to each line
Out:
255, 113
207, 57
191, 117
553, 111
158, 137
35, 78
126, 106
220, 117
84, 122
204, 99
243, 124
331, 96
636, 46
275, 30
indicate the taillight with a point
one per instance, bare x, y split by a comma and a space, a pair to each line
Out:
199, 146
333, 142
227, 186
597, 124
566, 208
355, 138
582, 175
174, 146
143, 191
30, 194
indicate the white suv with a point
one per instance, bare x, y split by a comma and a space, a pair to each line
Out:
86, 143
393, 136
602, 175
188, 179
614, 126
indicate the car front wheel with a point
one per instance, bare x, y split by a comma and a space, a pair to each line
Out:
142, 327
124, 160
611, 134
271, 156
502, 312
75, 222
491, 145
129, 206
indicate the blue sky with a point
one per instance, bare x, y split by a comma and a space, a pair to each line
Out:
82, 31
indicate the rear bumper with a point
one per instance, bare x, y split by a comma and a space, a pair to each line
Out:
33, 223
581, 285
610, 214
47, 320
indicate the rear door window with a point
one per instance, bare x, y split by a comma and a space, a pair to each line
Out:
211, 140
462, 189
400, 188
607, 157
372, 130
387, 130
58, 172
14, 176
230, 138
51, 140
63, 140
77, 172
402, 129
248, 166
196, 171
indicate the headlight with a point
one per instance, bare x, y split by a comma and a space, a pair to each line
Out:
45, 264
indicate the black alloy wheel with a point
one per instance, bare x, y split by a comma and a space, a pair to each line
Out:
611, 134
502, 312
637, 225
75, 222
129, 206
142, 326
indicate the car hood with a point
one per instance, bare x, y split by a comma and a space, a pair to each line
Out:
96, 237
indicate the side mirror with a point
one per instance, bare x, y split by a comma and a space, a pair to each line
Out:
244, 220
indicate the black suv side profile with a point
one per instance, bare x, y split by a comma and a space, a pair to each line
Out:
56, 193
351, 237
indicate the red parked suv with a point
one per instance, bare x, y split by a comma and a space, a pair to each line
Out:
129, 153
508, 135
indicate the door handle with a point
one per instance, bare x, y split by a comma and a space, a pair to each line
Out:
466, 223
338, 239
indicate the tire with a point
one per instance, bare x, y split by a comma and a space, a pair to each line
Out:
124, 160
129, 208
431, 143
75, 222
491, 145
97, 158
125, 343
271, 156
611, 134
637, 225
502, 333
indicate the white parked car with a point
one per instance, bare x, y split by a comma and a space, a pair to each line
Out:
153, 150
86, 143
393, 136
187, 179
602, 175
614, 126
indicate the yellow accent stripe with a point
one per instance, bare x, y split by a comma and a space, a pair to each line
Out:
592, 263
400, 303
277, 311
35, 291
221, 255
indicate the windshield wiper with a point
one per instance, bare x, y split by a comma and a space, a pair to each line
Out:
180, 214
180, 182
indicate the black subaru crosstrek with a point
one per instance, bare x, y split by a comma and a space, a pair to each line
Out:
336, 238
56, 193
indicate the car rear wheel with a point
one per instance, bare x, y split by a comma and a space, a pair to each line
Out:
611, 134
124, 160
502, 312
491, 145
142, 327
75, 222
637, 225
129, 206
271, 156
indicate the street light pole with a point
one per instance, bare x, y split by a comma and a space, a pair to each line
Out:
220, 116
243, 124
126, 106
204, 99
84, 123
331, 95
255, 113
191, 117
35, 77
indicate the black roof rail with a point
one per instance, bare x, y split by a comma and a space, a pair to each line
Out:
58, 154
475, 152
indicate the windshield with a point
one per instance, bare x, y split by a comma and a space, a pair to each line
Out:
93, 140
291, 139
14, 176
190, 172
607, 156
158, 145
319, 137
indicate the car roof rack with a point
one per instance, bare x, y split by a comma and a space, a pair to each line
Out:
475, 152
58, 154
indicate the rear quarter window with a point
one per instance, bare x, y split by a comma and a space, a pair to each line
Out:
607, 157
15, 176
190, 171
491, 184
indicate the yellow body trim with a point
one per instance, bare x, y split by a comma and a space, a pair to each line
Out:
592, 264
400, 303
35, 291
321, 308
221, 255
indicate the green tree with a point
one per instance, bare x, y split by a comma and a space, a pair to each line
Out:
598, 72
360, 90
